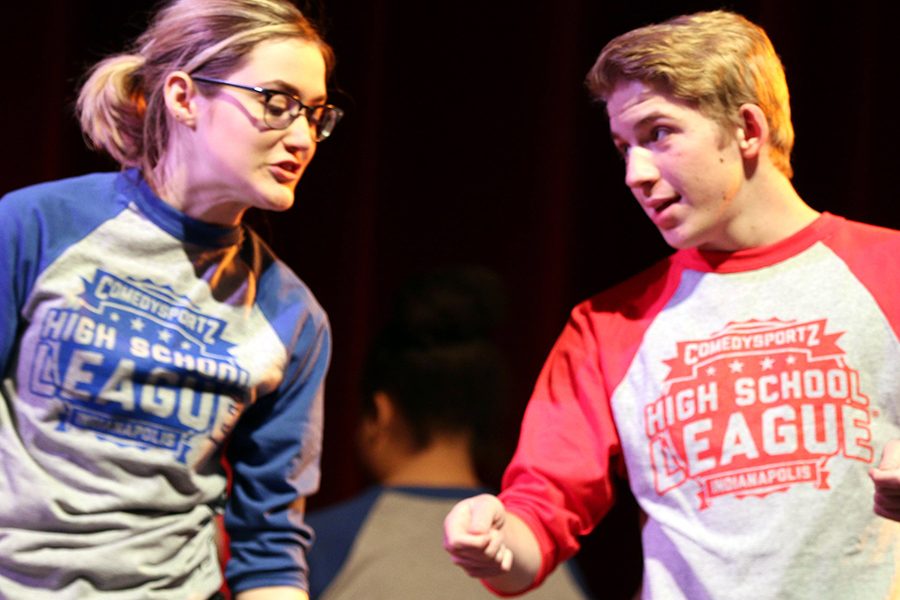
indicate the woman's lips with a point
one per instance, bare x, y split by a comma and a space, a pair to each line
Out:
285, 172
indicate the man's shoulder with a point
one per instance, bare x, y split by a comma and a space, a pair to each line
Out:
851, 239
341, 513
868, 230
636, 294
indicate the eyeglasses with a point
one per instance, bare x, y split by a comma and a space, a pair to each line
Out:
283, 108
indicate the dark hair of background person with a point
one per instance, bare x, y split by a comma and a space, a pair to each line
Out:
438, 361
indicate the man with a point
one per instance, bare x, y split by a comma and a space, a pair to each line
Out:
744, 383
433, 382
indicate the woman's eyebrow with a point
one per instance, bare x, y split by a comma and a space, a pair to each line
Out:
283, 86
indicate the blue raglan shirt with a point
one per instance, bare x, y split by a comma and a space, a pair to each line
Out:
135, 344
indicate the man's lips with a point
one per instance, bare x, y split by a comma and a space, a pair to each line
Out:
658, 205
659, 213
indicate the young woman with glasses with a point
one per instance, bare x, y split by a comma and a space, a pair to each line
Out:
145, 332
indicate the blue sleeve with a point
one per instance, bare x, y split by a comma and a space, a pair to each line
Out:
37, 224
275, 449
16, 253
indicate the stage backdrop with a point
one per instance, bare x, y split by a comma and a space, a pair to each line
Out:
469, 138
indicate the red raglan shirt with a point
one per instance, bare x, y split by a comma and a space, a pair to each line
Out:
746, 395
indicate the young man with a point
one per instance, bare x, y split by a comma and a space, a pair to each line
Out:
745, 383
432, 385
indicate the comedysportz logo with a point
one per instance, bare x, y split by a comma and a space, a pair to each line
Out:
137, 365
757, 408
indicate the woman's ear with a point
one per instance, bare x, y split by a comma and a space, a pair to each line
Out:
753, 132
180, 93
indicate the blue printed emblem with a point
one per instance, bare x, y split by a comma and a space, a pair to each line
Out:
137, 365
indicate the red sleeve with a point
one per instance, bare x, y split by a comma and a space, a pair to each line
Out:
872, 254
559, 480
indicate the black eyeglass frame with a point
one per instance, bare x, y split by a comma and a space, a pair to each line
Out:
310, 111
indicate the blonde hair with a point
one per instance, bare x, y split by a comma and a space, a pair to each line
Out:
714, 60
121, 106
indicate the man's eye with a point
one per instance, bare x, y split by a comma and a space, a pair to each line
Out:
659, 133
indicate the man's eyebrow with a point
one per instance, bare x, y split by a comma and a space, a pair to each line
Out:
650, 118
642, 122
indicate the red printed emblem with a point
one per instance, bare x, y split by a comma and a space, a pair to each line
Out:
755, 409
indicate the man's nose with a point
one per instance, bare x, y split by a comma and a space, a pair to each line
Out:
640, 168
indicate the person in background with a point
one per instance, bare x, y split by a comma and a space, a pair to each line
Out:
745, 384
144, 330
433, 386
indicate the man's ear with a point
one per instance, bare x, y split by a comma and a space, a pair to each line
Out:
180, 97
753, 132
385, 411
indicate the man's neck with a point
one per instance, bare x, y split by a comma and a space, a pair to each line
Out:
770, 211
446, 462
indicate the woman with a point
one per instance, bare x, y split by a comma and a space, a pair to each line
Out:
144, 331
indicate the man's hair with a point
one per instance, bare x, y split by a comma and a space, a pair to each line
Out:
436, 358
716, 61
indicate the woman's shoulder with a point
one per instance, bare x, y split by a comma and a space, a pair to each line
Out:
75, 188
280, 290
64, 205
64, 199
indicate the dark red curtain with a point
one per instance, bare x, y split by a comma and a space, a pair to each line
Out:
469, 138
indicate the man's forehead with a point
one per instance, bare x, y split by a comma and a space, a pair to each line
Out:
634, 102
631, 92
631, 101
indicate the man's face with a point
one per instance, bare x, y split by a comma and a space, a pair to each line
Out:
685, 171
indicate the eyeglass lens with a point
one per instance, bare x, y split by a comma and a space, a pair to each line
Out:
281, 110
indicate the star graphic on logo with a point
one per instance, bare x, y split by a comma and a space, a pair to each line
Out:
791, 359
767, 363
165, 335
185, 345
736, 366
711, 371
114, 317
137, 324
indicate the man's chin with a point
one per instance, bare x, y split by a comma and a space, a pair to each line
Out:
677, 239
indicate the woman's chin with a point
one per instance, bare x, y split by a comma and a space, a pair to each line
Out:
277, 198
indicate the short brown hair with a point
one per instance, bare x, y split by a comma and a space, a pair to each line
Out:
715, 60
